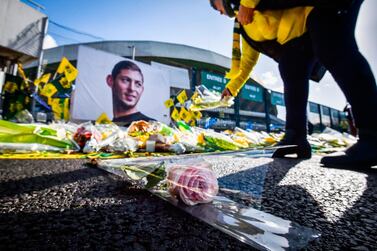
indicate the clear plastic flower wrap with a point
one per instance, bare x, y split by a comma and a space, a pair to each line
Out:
32, 138
205, 99
189, 137
104, 137
218, 141
157, 132
193, 182
191, 185
24, 116
334, 138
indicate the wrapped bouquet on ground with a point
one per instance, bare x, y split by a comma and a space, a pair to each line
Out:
33, 137
190, 181
159, 136
205, 99
147, 137
219, 141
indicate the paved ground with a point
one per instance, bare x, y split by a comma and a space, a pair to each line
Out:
63, 204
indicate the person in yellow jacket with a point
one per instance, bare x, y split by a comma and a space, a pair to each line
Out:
279, 25
299, 35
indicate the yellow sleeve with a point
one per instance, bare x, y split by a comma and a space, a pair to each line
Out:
249, 59
250, 3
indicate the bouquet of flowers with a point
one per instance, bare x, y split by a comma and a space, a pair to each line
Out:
32, 138
205, 99
191, 182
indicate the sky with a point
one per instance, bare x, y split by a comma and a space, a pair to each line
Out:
192, 23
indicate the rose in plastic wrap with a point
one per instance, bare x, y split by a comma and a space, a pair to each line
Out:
193, 184
81, 136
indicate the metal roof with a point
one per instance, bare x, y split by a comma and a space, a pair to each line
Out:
185, 54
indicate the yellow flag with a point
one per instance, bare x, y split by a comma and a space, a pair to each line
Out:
194, 96
10, 87
197, 114
188, 117
44, 79
48, 90
169, 103
66, 109
68, 69
65, 83
20, 70
184, 115
182, 97
193, 123
57, 108
103, 119
55, 104
175, 114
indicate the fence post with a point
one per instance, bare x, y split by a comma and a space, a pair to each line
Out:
267, 103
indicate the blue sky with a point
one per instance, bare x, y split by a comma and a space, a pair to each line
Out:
192, 23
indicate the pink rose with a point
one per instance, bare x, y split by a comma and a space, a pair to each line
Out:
193, 184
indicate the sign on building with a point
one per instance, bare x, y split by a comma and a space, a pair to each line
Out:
252, 92
277, 98
213, 81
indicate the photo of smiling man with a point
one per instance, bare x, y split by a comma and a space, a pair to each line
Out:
127, 84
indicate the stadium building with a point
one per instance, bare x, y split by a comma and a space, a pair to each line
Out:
254, 108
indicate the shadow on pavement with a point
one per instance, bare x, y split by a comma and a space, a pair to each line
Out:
115, 215
250, 181
356, 228
100, 213
288, 201
262, 183
38, 183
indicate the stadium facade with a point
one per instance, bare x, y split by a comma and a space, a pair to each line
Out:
255, 107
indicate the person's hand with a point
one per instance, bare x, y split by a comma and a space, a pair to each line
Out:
226, 94
245, 15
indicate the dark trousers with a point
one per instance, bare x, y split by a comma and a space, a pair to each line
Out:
331, 40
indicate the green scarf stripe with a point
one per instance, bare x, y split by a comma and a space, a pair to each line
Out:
236, 52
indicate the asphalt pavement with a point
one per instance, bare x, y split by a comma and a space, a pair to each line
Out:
67, 205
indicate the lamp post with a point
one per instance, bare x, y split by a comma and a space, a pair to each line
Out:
40, 63
133, 47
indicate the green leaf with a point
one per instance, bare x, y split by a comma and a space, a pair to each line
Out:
183, 126
158, 175
136, 172
45, 131
154, 173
